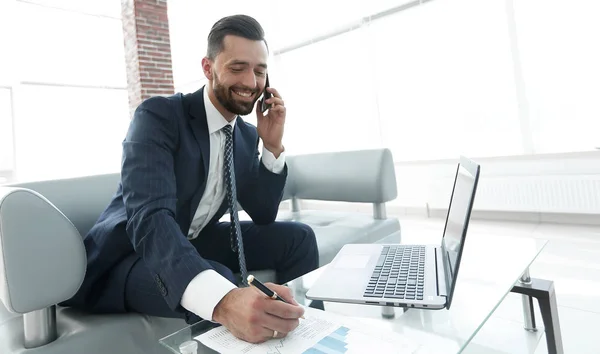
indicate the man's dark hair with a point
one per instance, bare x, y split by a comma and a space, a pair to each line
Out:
237, 25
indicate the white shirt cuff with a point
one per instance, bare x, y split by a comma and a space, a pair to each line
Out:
273, 164
204, 292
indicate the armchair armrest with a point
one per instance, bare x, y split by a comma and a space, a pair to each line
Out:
42, 257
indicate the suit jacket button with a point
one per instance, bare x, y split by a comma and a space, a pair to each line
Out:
163, 290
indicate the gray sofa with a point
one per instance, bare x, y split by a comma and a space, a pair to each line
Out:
42, 259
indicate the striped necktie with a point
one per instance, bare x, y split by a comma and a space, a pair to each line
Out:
235, 233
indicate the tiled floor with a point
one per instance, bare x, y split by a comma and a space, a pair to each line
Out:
571, 259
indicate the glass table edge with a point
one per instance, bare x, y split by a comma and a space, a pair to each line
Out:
541, 247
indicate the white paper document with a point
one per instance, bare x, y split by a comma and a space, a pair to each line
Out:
319, 333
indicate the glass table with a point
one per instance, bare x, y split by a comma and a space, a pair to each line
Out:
491, 266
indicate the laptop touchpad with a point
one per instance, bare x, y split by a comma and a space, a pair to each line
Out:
354, 261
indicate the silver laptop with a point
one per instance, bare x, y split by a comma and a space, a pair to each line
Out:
422, 276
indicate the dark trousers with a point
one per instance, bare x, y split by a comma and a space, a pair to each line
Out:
288, 248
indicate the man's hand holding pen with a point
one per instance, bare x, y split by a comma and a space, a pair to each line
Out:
255, 317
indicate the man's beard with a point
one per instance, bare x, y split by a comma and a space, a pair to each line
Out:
226, 98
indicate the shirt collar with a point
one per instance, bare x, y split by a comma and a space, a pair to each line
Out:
214, 118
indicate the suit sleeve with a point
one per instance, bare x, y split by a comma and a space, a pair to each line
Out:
262, 192
150, 196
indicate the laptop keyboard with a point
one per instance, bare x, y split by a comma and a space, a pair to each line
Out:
399, 273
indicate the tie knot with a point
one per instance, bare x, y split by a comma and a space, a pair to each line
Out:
227, 129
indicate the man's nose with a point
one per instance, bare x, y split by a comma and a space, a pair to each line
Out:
249, 80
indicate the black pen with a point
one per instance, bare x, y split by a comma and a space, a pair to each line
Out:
270, 293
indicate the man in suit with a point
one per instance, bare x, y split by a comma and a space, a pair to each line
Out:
159, 248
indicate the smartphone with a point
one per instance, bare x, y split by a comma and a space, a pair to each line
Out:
266, 96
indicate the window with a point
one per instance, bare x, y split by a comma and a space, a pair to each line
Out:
329, 96
444, 81
298, 21
69, 131
72, 49
560, 53
7, 79
8, 59
96, 7
431, 81
6, 131
69, 97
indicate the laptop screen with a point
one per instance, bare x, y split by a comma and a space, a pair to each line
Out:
457, 220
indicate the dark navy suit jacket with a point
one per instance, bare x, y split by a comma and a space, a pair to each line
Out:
163, 176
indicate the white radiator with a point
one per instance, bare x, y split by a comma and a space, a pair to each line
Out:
546, 194
560, 183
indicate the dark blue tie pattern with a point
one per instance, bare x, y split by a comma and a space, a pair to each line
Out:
229, 173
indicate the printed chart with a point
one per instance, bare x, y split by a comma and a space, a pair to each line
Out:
353, 340
334, 343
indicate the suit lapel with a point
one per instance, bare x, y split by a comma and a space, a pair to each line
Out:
200, 130
200, 126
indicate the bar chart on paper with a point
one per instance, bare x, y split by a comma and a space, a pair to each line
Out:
336, 342
349, 341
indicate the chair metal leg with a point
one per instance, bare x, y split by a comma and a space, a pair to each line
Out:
379, 211
295, 205
543, 291
528, 312
39, 327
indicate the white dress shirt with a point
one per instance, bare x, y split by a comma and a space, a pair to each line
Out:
205, 291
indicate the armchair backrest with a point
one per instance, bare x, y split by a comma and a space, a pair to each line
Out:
365, 176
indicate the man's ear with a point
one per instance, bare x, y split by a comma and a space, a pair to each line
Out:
207, 68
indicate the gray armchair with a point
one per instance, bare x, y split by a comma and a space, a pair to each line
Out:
42, 263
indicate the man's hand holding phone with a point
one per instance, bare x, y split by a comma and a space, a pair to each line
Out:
266, 95
270, 125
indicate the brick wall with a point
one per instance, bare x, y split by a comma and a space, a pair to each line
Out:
147, 50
